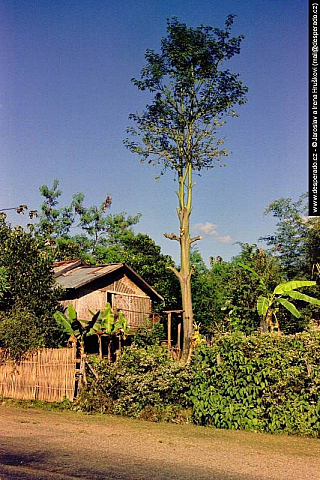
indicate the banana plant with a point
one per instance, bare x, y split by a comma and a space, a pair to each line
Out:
107, 325
121, 328
75, 328
267, 305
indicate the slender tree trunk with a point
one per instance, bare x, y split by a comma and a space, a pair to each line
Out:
100, 345
109, 348
184, 275
266, 321
185, 283
119, 338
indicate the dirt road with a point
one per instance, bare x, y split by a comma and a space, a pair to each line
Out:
36, 445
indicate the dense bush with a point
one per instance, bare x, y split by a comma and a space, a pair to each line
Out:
19, 331
268, 383
144, 383
149, 334
27, 284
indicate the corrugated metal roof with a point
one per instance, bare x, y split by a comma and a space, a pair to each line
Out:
79, 276
61, 267
74, 274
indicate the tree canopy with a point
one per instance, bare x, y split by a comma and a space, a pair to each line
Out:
30, 292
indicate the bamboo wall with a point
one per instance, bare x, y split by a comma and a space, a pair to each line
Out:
123, 294
47, 374
135, 309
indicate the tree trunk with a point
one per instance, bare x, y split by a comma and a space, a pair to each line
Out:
185, 283
184, 275
109, 348
266, 321
100, 345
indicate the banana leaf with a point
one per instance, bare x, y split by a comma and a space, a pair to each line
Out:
305, 298
289, 306
263, 304
72, 314
292, 285
62, 320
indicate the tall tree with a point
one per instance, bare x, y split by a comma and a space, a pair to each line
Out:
178, 129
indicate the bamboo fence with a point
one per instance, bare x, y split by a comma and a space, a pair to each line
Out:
46, 374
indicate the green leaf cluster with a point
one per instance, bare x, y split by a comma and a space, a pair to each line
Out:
19, 332
268, 383
192, 95
144, 383
98, 228
296, 239
27, 283
225, 294
266, 304
71, 325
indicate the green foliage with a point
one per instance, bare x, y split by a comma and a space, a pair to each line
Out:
99, 229
29, 280
313, 246
225, 295
210, 292
4, 283
144, 383
109, 325
264, 383
149, 334
290, 241
266, 305
73, 326
19, 332
285, 288
192, 94
296, 244
267, 383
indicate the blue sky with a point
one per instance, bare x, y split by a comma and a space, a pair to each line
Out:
65, 97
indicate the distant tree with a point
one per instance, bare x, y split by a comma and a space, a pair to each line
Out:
4, 284
290, 240
54, 222
178, 129
19, 331
210, 293
313, 247
245, 285
225, 294
97, 228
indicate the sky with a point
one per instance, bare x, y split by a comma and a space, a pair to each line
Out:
66, 94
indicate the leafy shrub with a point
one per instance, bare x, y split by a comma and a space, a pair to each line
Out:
268, 383
26, 279
145, 383
19, 332
149, 334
